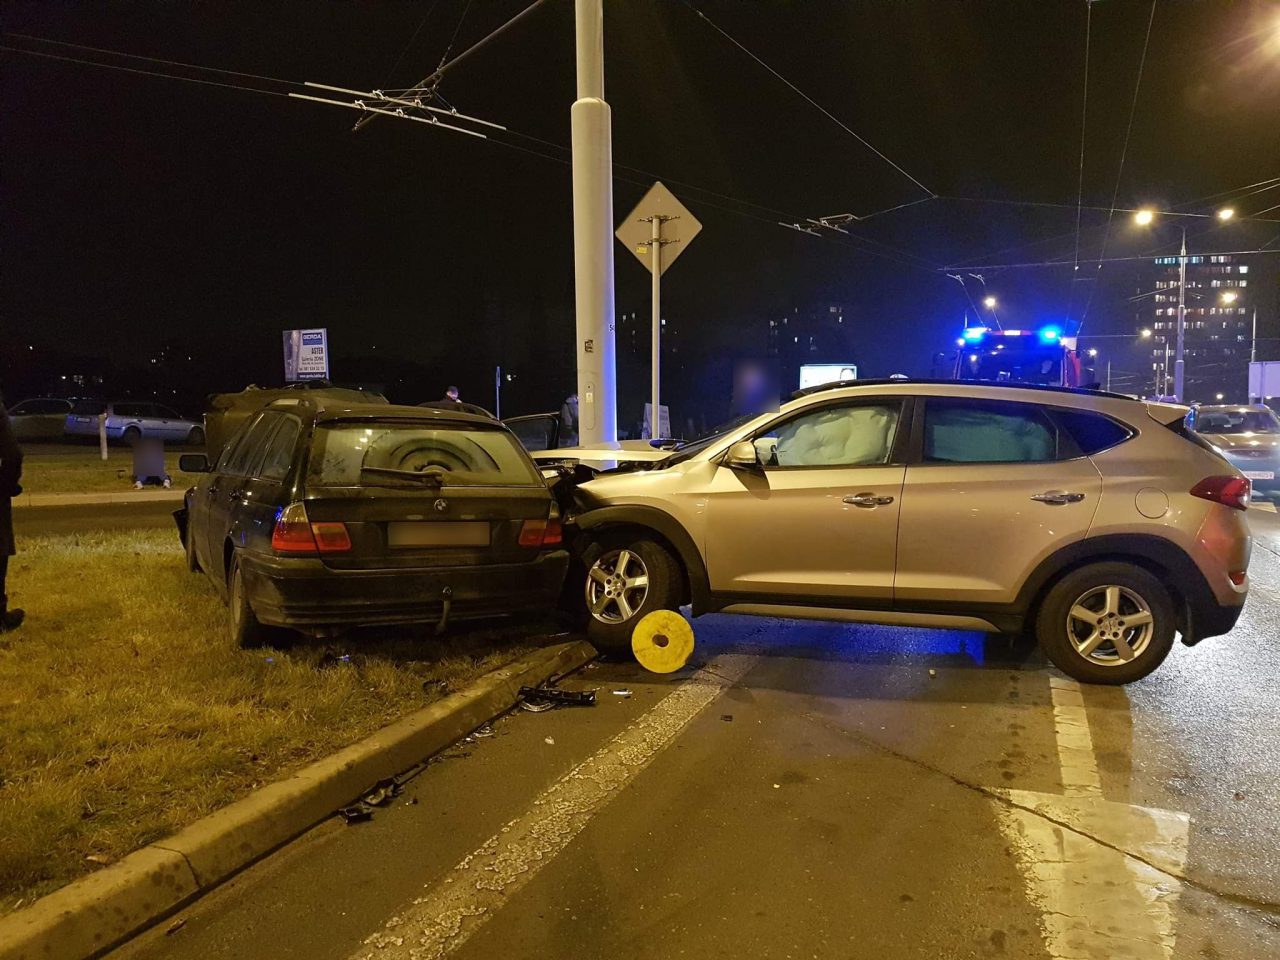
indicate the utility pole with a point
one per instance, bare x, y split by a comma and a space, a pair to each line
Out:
1253, 341
592, 152
1108, 376
497, 391
1178, 362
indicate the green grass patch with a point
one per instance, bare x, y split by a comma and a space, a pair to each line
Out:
82, 470
125, 713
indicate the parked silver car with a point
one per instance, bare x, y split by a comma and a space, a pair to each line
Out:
131, 420
40, 418
1248, 436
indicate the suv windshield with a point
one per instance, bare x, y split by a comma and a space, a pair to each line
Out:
400, 452
1237, 421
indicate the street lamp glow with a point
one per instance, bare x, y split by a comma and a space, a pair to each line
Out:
1144, 217
1219, 396
989, 303
1230, 296
1146, 333
1093, 351
1226, 213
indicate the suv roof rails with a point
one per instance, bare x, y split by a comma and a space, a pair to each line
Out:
1005, 384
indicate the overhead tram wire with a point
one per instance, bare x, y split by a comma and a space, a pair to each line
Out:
808, 99
428, 83
414, 36
1124, 152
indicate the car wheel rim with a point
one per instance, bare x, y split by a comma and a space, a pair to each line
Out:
617, 585
1110, 625
236, 612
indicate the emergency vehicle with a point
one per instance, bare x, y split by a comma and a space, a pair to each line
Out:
1045, 356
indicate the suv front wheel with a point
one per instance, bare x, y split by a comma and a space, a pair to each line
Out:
629, 579
1107, 623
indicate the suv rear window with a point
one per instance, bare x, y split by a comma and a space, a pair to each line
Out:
399, 452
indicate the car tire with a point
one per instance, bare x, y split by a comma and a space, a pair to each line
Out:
196, 437
1107, 623
131, 435
612, 607
245, 630
189, 546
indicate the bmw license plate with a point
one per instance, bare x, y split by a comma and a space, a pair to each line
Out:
440, 534
1260, 474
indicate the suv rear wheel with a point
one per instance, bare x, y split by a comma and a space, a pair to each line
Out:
629, 579
1107, 623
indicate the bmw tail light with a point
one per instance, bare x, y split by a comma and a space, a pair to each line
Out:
331, 537
1231, 492
292, 533
541, 533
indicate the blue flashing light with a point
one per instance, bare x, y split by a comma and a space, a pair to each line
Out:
1050, 334
974, 333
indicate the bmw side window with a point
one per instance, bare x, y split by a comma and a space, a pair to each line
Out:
979, 431
250, 446
855, 435
279, 456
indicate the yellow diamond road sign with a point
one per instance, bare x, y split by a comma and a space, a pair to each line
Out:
677, 231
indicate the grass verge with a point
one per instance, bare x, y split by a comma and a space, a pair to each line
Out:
125, 714
84, 471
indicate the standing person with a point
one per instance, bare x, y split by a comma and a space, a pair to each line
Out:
569, 421
10, 477
450, 395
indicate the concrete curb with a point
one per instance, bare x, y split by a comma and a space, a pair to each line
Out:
33, 500
97, 912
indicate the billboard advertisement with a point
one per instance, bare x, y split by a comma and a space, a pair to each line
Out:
306, 355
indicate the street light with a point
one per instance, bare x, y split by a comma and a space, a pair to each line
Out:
1219, 396
1230, 296
1093, 351
989, 303
1146, 333
1226, 213
1144, 217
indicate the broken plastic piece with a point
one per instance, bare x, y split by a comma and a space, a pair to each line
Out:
382, 793
727, 717
483, 732
175, 926
624, 692
537, 706
568, 698
356, 813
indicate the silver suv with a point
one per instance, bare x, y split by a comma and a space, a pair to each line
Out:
1098, 522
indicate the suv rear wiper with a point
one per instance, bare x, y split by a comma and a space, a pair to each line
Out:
432, 475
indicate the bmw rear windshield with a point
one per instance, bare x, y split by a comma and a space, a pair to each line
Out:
399, 453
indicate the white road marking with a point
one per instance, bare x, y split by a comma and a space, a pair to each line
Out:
1097, 902
452, 910
1264, 505
1075, 743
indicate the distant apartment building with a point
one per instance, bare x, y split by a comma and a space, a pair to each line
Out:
1224, 293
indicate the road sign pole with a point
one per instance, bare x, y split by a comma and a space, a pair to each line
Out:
592, 154
655, 251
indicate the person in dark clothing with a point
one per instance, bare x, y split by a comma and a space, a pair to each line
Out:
10, 487
450, 395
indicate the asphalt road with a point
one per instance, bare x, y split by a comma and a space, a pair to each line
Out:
817, 790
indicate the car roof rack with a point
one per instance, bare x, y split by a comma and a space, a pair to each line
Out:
1000, 384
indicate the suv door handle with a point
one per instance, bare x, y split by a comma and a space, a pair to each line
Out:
867, 500
1058, 497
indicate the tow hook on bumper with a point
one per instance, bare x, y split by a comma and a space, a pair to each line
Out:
446, 595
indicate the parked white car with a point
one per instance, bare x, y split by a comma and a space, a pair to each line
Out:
40, 418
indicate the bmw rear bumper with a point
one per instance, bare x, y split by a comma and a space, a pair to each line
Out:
303, 593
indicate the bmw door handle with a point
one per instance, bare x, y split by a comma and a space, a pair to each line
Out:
867, 500
1058, 497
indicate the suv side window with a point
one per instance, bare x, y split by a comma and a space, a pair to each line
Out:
991, 431
851, 435
130, 410
279, 456
1092, 432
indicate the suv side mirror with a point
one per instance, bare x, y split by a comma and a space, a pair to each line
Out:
742, 456
193, 463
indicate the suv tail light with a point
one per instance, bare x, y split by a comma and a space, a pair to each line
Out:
1231, 492
541, 533
294, 533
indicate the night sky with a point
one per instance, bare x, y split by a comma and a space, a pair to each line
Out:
140, 212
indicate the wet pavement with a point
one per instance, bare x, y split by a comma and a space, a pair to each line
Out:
817, 790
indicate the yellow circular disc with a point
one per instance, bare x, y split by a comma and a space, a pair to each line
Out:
662, 641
